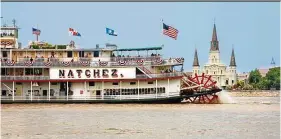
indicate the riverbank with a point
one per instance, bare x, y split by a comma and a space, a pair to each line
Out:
254, 93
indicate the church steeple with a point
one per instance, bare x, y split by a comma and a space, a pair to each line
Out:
272, 62
195, 61
214, 42
214, 37
232, 59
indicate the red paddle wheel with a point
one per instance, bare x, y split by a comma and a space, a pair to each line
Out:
199, 89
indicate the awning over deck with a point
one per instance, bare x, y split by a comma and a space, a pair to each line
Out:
140, 49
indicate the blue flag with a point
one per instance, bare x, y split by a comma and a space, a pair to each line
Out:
111, 32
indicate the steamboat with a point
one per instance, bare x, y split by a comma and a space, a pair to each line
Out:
45, 73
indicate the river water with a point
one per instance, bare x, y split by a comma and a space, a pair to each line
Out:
247, 118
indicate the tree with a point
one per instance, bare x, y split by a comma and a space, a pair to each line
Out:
255, 77
263, 84
273, 77
248, 87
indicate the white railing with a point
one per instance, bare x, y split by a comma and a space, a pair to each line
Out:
106, 97
25, 77
57, 62
162, 75
36, 77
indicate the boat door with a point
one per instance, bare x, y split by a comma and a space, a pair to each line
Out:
75, 53
15, 56
61, 54
46, 56
18, 89
32, 55
4, 93
98, 93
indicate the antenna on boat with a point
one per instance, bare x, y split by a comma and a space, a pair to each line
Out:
14, 22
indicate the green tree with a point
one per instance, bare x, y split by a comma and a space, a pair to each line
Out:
248, 87
273, 77
255, 77
263, 84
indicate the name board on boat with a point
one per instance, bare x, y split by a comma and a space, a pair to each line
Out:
92, 73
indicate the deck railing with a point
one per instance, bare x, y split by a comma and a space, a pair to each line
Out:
36, 77
105, 97
87, 62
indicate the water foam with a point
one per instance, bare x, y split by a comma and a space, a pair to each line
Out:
225, 98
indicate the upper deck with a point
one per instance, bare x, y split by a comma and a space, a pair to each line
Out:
67, 55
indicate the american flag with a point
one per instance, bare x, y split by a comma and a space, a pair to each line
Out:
36, 31
170, 31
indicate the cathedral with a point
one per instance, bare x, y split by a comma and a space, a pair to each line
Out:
224, 75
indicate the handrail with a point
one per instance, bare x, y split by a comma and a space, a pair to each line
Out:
85, 62
105, 97
36, 77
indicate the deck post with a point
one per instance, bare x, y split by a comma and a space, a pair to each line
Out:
31, 91
138, 89
49, 95
102, 88
156, 88
168, 90
85, 90
13, 91
120, 86
67, 90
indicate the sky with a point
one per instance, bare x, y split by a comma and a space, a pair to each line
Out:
251, 28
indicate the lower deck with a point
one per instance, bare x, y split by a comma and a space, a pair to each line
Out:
85, 91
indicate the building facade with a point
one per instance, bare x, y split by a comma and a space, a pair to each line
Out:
223, 74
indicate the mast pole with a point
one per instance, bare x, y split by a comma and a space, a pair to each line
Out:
37, 34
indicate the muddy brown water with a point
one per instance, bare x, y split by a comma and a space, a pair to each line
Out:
248, 118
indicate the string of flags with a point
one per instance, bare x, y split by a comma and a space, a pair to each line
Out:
167, 30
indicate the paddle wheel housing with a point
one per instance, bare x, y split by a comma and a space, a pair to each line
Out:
199, 89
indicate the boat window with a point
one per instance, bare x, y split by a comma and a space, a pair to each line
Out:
81, 54
54, 83
29, 71
91, 83
149, 82
96, 53
132, 83
69, 54
5, 54
3, 71
115, 83
18, 83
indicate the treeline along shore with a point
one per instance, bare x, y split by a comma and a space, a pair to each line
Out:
254, 93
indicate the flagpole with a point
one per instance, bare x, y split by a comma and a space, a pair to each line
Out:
37, 34
162, 32
107, 37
